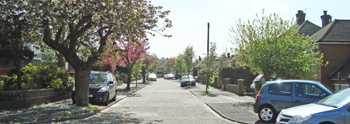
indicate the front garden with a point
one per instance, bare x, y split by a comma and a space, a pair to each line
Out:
39, 84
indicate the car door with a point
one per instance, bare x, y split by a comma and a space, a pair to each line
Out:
114, 89
347, 115
305, 93
280, 95
111, 87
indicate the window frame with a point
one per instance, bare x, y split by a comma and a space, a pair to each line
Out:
281, 89
305, 92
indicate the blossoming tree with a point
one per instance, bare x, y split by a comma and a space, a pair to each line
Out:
130, 52
79, 29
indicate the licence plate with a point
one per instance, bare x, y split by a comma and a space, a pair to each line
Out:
90, 95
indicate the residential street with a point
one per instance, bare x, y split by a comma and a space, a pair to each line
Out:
164, 101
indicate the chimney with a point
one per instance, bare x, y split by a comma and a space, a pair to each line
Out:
300, 17
326, 19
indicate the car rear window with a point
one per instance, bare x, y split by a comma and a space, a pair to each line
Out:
308, 90
281, 89
97, 78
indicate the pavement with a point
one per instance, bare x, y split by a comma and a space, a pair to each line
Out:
62, 110
228, 105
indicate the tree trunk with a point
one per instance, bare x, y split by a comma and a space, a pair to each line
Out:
82, 81
180, 76
18, 64
61, 62
129, 78
136, 79
143, 73
267, 75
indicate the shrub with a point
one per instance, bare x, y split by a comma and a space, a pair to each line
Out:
8, 82
44, 76
3, 78
212, 78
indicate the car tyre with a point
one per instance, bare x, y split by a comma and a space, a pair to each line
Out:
107, 100
267, 113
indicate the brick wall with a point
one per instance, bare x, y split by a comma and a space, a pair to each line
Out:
236, 88
27, 98
335, 54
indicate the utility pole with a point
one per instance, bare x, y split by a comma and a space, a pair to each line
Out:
206, 89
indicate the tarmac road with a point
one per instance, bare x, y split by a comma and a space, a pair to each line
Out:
162, 102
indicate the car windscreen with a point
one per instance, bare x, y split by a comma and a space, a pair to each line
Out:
98, 78
336, 100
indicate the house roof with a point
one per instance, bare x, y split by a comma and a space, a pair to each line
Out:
335, 32
344, 68
308, 28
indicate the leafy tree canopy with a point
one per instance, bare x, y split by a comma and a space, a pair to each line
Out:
79, 29
188, 56
271, 45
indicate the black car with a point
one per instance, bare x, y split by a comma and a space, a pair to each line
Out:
187, 80
103, 87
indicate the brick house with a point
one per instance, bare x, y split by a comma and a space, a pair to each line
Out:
333, 41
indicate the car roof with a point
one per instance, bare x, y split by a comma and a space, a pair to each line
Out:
296, 81
95, 72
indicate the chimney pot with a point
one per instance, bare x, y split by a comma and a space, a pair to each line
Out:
300, 17
326, 19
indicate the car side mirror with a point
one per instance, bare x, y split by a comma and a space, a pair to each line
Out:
111, 82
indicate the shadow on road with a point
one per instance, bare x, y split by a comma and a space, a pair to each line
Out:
260, 122
210, 95
112, 118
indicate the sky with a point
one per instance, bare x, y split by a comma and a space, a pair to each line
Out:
191, 17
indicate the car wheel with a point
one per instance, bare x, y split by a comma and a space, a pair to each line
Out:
267, 114
106, 102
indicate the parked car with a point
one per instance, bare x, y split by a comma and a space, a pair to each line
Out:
103, 87
281, 94
152, 77
169, 76
261, 78
333, 109
187, 80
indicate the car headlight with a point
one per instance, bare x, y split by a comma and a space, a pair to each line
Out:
300, 118
103, 89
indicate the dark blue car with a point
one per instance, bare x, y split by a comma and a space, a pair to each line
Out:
281, 94
102, 87
187, 81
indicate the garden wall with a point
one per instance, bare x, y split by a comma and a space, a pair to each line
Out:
236, 88
26, 98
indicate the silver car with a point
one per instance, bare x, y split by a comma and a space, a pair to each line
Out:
334, 109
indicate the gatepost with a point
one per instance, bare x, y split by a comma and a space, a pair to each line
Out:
224, 83
240, 86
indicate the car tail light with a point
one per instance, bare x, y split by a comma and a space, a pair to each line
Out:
256, 98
